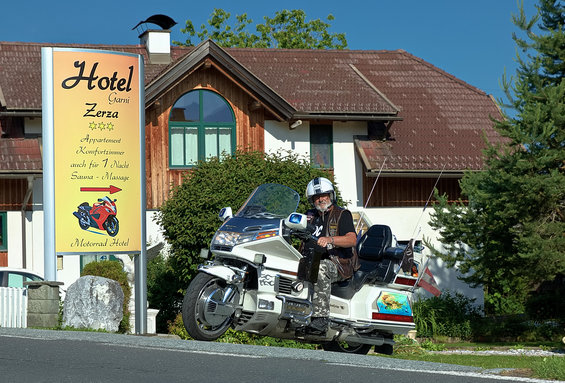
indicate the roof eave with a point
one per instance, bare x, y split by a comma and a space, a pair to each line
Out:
433, 173
282, 109
347, 116
21, 113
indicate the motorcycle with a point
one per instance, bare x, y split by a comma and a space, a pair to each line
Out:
102, 216
255, 280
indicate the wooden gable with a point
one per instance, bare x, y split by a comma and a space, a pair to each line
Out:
250, 121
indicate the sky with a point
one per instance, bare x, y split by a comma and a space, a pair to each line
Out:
471, 40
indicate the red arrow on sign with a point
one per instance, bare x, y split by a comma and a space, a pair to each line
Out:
112, 189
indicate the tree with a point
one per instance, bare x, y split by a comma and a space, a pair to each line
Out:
287, 29
510, 236
190, 217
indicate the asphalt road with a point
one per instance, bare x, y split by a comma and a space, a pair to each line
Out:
28, 355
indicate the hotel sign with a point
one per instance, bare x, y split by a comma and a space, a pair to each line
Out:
94, 172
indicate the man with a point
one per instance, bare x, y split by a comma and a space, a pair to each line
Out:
336, 236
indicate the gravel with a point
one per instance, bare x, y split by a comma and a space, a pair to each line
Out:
513, 352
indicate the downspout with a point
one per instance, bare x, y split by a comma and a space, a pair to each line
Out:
23, 211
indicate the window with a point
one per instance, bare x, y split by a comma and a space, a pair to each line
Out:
86, 259
201, 125
321, 148
3, 231
16, 279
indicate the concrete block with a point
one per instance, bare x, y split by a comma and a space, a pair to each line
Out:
43, 292
42, 320
43, 306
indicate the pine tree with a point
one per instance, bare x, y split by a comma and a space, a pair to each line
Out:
511, 235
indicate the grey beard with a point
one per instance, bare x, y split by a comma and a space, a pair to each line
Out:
322, 209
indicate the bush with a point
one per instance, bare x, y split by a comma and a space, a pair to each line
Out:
164, 292
113, 270
449, 315
517, 328
547, 302
190, 216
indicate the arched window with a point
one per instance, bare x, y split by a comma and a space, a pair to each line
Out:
201, 125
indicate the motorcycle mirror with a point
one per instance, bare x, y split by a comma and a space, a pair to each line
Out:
296, 221
225, 214
204, 253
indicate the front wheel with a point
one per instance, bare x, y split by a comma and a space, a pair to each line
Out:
204, 314
112, 226
349, 348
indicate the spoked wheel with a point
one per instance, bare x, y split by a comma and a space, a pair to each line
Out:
83, 221
112, 226
349, 348
204, 314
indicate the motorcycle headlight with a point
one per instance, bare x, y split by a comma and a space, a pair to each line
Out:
229, 238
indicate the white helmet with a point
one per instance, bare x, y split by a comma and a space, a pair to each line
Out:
320, 185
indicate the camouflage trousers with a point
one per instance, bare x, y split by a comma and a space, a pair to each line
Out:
327, 274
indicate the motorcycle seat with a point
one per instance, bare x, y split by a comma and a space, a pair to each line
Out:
378, 260
369, 272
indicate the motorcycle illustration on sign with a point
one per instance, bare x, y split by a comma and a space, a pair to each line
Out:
101, 215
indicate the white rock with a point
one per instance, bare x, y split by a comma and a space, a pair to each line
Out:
95, 303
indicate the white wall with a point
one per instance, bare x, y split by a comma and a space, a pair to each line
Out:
279, 136
14, 219
348, 169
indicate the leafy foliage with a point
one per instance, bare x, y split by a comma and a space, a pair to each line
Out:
510, 236
450, 315
287, 29
112, 270
190, 216
164, 292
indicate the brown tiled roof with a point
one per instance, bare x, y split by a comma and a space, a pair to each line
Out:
20, 70
443, 122
20, 155
315, 81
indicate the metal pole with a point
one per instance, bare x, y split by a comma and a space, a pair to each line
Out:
48, 131
140, 264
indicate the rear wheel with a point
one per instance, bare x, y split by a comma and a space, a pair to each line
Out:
204, 314
83, 220
349, 348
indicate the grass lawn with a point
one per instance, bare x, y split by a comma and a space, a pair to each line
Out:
545, 367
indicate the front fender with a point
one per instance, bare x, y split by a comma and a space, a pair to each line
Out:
220, 271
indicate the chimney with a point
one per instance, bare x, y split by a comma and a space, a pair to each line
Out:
157, 41
158, 45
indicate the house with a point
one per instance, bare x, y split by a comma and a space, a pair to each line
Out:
361, 113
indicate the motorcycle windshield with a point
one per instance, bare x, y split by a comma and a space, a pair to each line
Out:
270, 201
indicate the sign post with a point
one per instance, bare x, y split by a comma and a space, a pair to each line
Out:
94, 159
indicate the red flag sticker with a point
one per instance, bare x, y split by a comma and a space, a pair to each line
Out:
428, 283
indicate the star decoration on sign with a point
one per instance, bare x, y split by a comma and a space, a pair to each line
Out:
101, 125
